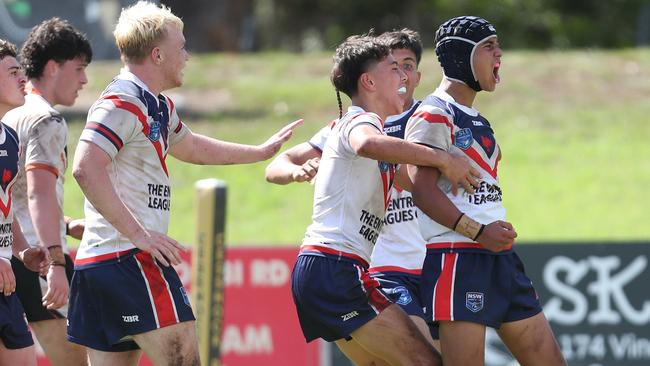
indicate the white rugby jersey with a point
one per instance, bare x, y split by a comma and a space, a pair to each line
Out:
9, 150
351, 192
135, 128
400, 246
43, 133
442, 123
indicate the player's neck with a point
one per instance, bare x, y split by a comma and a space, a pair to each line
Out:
42, 88
370, 105
148, 75
461, 93
4, 108
409, 103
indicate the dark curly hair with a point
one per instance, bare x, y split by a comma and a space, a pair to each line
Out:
352, 58
7, 49
53, 39
403, 39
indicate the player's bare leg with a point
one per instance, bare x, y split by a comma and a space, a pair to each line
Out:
531, 341
463, 343
393, 337
101, 358
51, 335
175, 345
361, 357
23, 356
424, 329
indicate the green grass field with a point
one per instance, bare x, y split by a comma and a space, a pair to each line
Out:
573, 127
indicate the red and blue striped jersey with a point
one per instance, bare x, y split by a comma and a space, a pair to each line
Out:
9, 150
442, 123
135, 128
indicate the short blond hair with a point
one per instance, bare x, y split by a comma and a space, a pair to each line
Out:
140, 27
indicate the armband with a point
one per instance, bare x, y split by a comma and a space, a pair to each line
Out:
56, 255
468, 227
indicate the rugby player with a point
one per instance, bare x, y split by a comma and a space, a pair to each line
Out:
55, 56
471, 277
125, 297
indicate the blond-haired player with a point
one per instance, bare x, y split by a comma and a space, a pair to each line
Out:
125, 296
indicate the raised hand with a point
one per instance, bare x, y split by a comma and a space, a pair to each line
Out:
274, 143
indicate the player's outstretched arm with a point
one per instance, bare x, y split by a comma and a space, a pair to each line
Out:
89, 169
297, 164
367, 141
198, 149
429, 198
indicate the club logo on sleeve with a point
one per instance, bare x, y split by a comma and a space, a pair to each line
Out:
474, 301
464, 138
154, 131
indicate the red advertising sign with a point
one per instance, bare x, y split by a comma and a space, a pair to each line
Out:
260, 322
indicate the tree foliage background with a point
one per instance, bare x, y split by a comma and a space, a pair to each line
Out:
302, 25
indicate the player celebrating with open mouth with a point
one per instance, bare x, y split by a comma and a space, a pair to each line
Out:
471, 277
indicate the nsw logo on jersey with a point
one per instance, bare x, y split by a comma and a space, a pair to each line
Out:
154, 131
464, 138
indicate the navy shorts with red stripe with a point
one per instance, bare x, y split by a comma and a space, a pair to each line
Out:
334, 295
111, 301
478, 287
403, 289
13, 325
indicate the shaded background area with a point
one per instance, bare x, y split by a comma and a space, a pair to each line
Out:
298, 25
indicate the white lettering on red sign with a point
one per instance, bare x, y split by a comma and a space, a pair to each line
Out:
252, 339
233, 273
271, 272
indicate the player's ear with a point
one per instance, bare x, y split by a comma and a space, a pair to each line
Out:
51, 67
366, 82
417, 78
156, 55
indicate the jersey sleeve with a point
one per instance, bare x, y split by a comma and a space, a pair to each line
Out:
110, 127
356, 121
430, 126
45, 144
177, 129
318, 140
